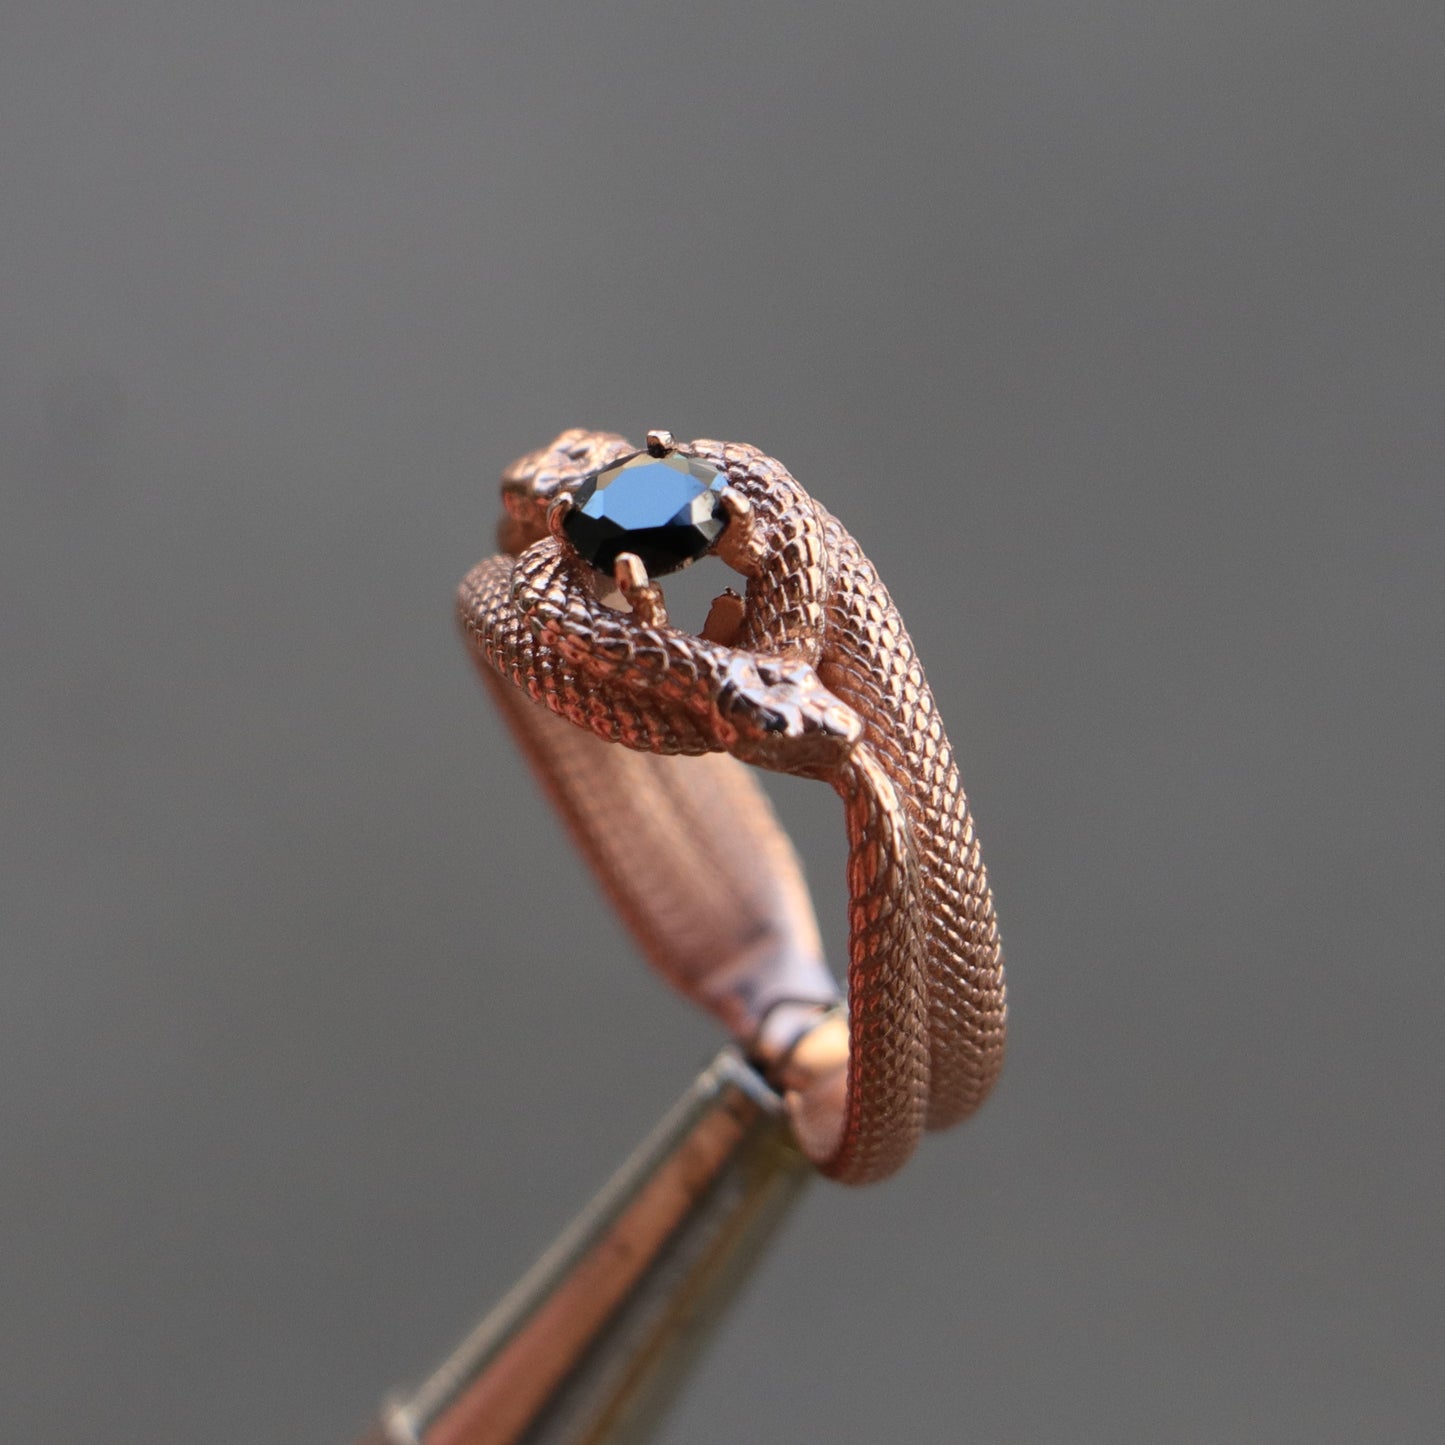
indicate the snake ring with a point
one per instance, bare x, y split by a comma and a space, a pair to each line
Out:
640, 731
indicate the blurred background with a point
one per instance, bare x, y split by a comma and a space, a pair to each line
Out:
1115, 332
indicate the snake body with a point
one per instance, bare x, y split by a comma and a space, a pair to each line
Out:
819, 679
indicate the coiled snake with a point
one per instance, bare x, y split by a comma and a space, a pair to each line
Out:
640, 730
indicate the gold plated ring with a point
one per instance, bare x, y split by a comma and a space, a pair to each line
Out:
639, 730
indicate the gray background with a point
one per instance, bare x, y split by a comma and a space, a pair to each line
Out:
1114, 330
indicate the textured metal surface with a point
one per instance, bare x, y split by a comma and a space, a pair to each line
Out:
819, 679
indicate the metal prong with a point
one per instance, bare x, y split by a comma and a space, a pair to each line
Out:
629, 574
660, 443
643, 598
737, 506
738, 546
556, 512
724, 618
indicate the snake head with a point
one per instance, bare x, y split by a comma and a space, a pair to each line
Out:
775, 713
533, 482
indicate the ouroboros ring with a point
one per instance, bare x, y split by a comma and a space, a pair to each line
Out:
638, 731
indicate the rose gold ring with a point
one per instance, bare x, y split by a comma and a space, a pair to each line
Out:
638, 730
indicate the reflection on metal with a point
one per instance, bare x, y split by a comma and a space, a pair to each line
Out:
591, 1344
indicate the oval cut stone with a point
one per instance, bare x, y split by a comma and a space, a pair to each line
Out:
667, 510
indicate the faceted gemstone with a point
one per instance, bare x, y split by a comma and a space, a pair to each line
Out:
665, 509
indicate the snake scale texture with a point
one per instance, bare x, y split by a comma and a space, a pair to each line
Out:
818, 678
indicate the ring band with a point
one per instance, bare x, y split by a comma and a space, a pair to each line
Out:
639, 732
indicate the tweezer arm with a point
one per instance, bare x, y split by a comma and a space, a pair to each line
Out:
593, 1341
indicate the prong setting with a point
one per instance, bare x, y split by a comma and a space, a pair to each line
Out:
666, 509
739, 546
737, 506
642, 596
629, 574
557, 513
724, 618
661, 443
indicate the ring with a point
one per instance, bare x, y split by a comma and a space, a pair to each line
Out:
640, 731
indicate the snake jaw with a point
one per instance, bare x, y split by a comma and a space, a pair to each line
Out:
776, 714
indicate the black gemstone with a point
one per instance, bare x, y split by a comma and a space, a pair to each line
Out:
667, 510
